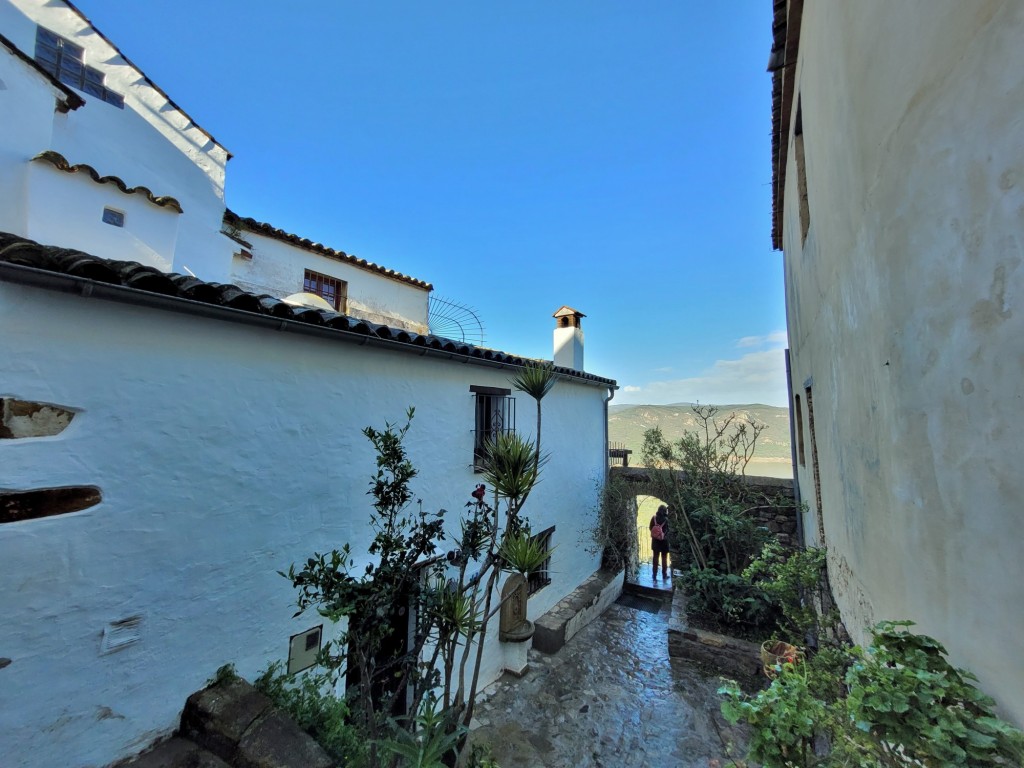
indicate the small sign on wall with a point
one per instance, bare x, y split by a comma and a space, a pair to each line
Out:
303, 649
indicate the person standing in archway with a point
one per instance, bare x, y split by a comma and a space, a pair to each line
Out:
659, 540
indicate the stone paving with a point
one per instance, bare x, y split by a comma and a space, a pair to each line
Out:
611, 698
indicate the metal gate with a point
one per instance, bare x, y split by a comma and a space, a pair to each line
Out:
646, 507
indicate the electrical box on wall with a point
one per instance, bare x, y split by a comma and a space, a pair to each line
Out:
303, 649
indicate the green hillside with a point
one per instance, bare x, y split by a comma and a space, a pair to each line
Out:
627, 424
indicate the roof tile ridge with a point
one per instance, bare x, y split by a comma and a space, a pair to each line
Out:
58, 161
145, 77
269, 230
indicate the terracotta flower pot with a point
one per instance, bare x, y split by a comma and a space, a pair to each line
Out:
774, 654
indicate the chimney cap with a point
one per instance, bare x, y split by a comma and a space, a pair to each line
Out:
566, 311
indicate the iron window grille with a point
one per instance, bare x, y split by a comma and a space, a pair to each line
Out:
495, 411
330, 289
66, 62
540, 576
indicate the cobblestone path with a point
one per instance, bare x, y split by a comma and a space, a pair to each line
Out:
610, 699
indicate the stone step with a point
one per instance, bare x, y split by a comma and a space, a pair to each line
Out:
573, 612
176, 753
229, 724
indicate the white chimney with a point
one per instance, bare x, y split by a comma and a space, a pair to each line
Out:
568, 338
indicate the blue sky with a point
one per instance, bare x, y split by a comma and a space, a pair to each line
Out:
612, 156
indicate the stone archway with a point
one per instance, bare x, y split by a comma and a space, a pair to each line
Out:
783, 523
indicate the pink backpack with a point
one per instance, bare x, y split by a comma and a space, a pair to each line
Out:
658, 531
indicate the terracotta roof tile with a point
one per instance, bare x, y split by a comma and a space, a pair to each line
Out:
144, 281
786, 19
232, 219
58, 161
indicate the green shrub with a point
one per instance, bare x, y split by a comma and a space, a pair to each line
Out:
308, 700
729, 599
795, 580
900, 705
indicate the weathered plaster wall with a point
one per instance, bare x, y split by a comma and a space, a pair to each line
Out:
223, 453
903, 314
277, 268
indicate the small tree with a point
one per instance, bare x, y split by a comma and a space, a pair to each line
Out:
452, 598
701, 476
614, 535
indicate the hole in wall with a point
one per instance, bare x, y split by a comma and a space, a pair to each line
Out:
25, 418
16, 506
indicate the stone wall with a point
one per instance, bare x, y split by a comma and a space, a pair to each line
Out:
782, 522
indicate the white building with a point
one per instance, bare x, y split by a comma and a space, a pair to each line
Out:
119, 169
899, 205
168, 443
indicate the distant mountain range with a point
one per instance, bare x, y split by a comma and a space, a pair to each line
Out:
627, 424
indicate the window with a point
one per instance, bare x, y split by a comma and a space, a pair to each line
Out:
66, 62
801, 455
330, 289
113, 217
814, 464
495, 411
540, 577
801, 174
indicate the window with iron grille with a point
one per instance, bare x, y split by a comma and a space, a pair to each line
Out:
540, 577
330, 289
66, 62
495, 410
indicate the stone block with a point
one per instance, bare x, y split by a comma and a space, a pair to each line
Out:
577, 609
735, 658
276, 741
739, 659
176, 753
216, 718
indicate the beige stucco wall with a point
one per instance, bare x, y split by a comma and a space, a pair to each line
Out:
904, 312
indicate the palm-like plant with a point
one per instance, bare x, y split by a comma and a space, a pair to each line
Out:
511, 466
454, 611
536, 379
522, 553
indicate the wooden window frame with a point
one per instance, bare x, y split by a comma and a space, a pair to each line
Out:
331, 289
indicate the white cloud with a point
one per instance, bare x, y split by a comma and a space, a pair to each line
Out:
757, 377
663, 370
773, 338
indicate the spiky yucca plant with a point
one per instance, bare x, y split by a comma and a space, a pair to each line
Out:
511, 467
522, 553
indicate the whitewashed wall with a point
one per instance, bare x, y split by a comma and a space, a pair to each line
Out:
145, 144
74, 203
27, 94
277, 268
224, 453
904, 312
